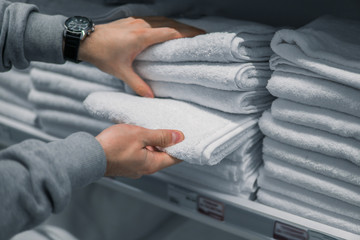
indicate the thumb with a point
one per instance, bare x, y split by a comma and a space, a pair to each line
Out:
162, 137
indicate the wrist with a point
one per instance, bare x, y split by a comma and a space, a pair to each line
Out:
77, 31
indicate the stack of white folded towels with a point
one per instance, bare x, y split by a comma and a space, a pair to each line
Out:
15, 86
58, 92
212, 88
311, 151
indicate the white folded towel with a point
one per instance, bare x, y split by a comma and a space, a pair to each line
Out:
65, 85
228, 40
230, 170
310, 197
315, 92
252, 140
310, 139
312, 181
17, 82
195, 177
81, 71
302, 209
232, 76
316, 117
280, 64
209, 135
50, 119
19, 113
51, 101
14, 98
226, 101
332, 167
328, 46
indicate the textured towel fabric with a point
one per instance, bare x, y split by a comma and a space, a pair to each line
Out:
46, 100
309, 197
280, 64
232, 171
17, 82
312, 181
320, 118
315, 92
332, 167
12, 97
327, 46
51, 119
310, 138
302, 209
232, 76
82, 71
254, 140
226, 101
19, 113
209, 135
65, 85
227, 40
193, 176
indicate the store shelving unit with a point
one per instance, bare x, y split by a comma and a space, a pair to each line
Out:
238, 216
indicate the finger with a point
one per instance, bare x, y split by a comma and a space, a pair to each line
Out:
137, 84
162, 137
160, 160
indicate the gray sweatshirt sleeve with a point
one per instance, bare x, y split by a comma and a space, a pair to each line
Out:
36, 178
26, 35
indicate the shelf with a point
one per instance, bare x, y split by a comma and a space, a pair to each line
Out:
238, 216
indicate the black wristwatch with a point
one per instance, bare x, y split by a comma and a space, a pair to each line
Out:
76, 29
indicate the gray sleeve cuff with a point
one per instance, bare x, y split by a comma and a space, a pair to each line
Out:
44, 37
83, 157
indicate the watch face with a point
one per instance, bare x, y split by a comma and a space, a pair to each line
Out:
78, 24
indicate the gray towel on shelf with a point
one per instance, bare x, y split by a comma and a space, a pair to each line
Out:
328, 46
315, 92
223, 76
226, 101
194, 177
228, 40
312, 181
230, 170
65, 85
50, 120
81, 71
16, 112
17, 82
316, 117
310, 139
305, 210
337, 168
310, 197
47, 100
14, 98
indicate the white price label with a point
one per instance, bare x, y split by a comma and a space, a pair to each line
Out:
287, 232
211, 208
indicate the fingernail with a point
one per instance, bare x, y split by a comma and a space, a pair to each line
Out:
176, 137
149, 95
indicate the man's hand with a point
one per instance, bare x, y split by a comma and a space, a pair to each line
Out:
113, 47
131, 151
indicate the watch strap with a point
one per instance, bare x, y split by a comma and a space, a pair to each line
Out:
71, 48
